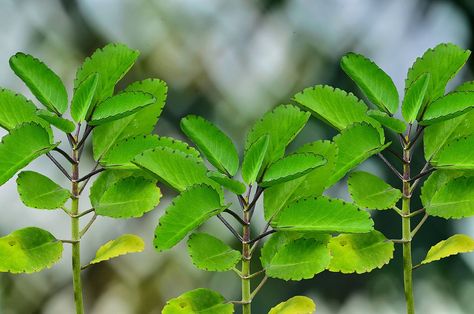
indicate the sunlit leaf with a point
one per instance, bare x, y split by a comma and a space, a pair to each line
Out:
436, 181
211, 254
127, 243
450, 106
414, 95
253, 159
294, 305
372, 80
359, 253
199, 301
458, 243
29, 250
458, 154
369, 191
387, 121
41, 80
39, 191
123, 152
81, 104
61, 123
214, 144
232, 185
187, 211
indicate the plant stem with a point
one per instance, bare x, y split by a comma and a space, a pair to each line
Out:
406, 231
246, 257
76, 246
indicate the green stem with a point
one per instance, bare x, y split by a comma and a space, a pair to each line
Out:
75, 235
246, 257
406, 233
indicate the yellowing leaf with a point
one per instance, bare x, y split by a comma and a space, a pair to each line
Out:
199, 301
295, 305
458, 243
127, 243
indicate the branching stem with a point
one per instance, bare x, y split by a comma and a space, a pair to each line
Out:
60, 167
237, 217
231, 229
390, 166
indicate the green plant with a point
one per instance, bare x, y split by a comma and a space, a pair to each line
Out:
299, 219
116, 122
445, 123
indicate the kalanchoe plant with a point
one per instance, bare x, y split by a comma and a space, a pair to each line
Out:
116, 121
299, 219
445, 124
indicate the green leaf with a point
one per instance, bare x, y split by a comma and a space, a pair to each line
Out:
253, 159
24, 144
466, 87
437, 135
199, 301
453, 200
359, 253
291, 167
123, 152
178, 145
211, 254
29, 250
450, 106
294, 305
111, 62
119, 106
369, 191
129, 197
442, 62
312, 184
61, 123
334, 106
127, 243
41, 80
139, 123
436, 181
81, 104
39, 191
173, 167
214, 144
387, 121
187, 211
323, 214
414, 95
299, 259
282, 124
458, 243
15, 110
458, 154
372, 81
355, 144
233, 185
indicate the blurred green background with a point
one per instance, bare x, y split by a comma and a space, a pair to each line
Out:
230, 61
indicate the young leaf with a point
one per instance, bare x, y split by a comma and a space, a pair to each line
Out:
369, 191
123, 152
282, 124
458, 154
437, 135
139, 123
359, 253
24, 144
41, 80
81, 104
215, 144
291, 167
15, 110
187, 211
372, 80
458, 243
129, 197
414, 95
127, 243
294, 305
39, 191
61, 123
253, 159
299, 259
199, 301
29, 250
312, 184
442, 62
332, 105
450, 106
173, 167
233, 185
387, 121
355, 144
119, 106
323, 214
111, 63
211, 254
454, 200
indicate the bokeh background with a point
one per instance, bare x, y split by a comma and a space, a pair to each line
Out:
230, 61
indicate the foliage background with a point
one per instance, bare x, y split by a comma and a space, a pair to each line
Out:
230, 61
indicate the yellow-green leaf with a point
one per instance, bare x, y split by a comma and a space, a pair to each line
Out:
81, 104
458, 243
39, 191
199, 301
294, 305
127, 243
414, 95
253, 159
